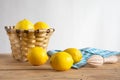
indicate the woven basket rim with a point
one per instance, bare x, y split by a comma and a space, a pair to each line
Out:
12, 29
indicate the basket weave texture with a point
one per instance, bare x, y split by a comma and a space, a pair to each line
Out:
22, 40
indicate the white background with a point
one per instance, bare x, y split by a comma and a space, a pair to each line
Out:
78, 23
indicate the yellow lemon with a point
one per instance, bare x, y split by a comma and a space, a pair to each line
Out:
61, 61
75, 53
37, 56
41, 25
24, 25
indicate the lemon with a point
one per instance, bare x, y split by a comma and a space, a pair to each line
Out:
75, 53
37, 56
41, 25
61, 61
24, 25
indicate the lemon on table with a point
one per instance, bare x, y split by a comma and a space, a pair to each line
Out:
75, 53
61, 61
41, 25
24, 25
37, 56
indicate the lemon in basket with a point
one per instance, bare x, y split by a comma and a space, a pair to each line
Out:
37, 56
24, 25
41, 25
61, 61
75, 53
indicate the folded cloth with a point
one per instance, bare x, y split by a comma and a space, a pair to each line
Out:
87, 53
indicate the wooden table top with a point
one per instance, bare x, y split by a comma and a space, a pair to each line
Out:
13, 70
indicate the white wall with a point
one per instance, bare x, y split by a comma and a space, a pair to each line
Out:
78, 23
98, 23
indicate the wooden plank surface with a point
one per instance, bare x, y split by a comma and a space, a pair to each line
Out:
13, 70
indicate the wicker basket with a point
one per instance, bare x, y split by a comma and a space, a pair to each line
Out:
22, 40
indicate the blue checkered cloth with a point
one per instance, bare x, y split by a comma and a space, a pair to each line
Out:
87, 53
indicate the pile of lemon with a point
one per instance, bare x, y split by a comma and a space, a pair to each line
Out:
60, 61
26, 24
64, 60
